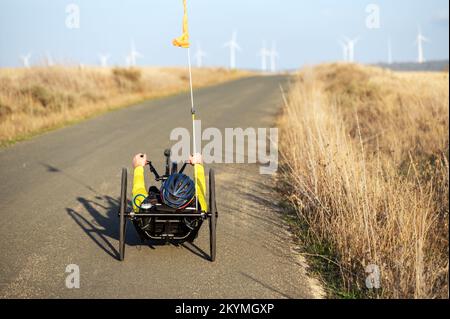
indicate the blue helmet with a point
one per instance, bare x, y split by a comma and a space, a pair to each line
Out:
178, 191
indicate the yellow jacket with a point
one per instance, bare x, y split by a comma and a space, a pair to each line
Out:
140, 191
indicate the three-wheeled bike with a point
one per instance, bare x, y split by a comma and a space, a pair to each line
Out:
157, 222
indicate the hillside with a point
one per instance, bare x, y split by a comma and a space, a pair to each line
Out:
365, 169
42, 98
430, 66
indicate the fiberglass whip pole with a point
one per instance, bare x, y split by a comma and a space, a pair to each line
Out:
194, 146
183, 42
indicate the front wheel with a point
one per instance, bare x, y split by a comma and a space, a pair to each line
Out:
122, 211
213, 215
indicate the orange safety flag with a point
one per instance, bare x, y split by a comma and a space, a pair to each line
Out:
183, 40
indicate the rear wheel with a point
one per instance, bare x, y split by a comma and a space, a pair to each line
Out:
122, 211
213, 213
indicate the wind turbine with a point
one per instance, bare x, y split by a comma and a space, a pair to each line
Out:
344, 50
49, 60
104, 59
351, 43
26, 60
273, 57
131, 57
264, 53
233, 45
419, 41
199, 55
390, 59
128, 61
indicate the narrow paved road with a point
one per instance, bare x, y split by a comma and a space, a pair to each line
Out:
59, 196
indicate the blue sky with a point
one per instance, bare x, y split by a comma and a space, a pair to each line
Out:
306, 31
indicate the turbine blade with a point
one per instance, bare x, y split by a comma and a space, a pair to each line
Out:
234, 36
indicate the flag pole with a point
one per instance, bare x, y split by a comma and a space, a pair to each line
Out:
194, 143
183, 42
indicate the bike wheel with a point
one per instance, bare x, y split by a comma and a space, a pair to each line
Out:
213, 215
122, 211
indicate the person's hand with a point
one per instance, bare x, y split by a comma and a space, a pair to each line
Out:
196, 159
140, 160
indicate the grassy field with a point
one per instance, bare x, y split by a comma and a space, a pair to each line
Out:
365, 169
42, 98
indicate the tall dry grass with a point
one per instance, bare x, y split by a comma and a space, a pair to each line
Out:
365, 165
40, 98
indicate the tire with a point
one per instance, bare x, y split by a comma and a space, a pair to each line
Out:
214, 215
122, 211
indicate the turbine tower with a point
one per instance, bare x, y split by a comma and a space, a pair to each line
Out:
131, 57
264, 53
26, 60
344, 47
199, 55
419, 41
390, 59
273, 57
234, 46
49, 60
351, 43
104, 59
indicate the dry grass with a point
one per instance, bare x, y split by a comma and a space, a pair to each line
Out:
41, 98
365, 165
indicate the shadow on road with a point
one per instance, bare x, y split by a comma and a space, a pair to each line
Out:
53, 169
193, 248
265, 285
103, 230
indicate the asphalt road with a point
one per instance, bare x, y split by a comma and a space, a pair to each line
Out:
59, 195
